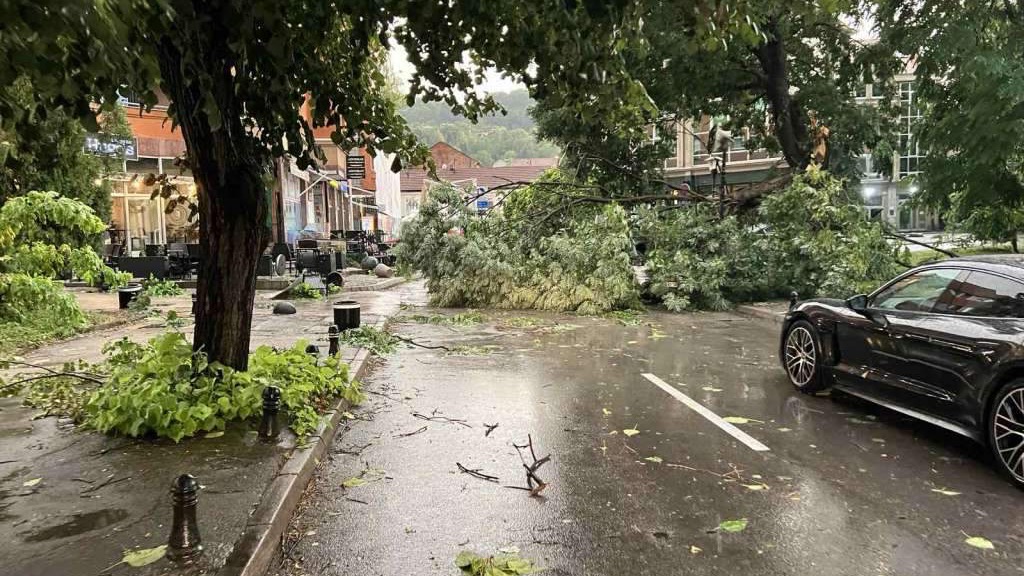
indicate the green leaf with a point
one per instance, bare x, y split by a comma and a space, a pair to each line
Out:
630, 431
740, 420
979, 542
655, 459
216, 434
733, 525
353, 482
32, 482
465, 559
144, 557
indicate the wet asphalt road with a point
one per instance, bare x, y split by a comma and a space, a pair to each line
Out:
845, 488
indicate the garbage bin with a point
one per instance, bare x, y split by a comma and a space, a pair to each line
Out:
126, 294
346, 314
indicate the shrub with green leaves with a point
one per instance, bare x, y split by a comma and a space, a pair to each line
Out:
164, 388
44, 236
303, 290
155, 287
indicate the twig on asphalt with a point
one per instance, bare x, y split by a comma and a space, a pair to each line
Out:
107, 482
385, 395
476, 473
356, 500
490, 428
417, 344
458, 421
354, 450
531, 469
413, 433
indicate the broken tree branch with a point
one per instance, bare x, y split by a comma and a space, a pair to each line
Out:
458, 421
476, 473
894, 234
426, 346
413, 433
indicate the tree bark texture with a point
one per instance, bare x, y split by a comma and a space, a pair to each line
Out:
234, 207
788, 119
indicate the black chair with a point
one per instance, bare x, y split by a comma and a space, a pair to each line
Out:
111, 252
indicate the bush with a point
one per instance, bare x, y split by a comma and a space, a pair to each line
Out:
165, 388
154, 287
303, 290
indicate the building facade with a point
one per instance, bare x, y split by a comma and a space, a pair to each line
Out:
320, 200
886, 193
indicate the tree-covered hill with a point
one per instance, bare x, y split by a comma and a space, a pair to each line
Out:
498, 137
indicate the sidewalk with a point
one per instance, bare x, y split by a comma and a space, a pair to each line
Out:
99, 495
774, 310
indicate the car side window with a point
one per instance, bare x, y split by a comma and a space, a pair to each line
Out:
983, 294
920, 292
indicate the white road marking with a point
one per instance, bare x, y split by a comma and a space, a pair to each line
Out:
715, 419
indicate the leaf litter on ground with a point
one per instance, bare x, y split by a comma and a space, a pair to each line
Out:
507, 564
733, 525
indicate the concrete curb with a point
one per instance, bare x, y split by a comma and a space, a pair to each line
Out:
260, 541
382, 285
759, 312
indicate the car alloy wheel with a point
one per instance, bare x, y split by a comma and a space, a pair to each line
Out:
801, 357
1008, 432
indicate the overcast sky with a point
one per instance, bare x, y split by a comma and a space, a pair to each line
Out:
403, 69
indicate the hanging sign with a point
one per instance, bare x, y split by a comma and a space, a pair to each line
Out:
113, 146
355, 166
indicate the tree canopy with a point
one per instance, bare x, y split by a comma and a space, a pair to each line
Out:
970, 82
793, 69
248, 80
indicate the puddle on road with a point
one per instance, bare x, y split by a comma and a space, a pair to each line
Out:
78, 524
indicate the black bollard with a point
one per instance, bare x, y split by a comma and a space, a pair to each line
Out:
793, 299
332, 337
184, 543
269, 427
313, 350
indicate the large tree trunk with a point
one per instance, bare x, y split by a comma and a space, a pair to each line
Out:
234, 210
788, 119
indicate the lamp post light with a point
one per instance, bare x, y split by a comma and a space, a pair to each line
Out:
719, 141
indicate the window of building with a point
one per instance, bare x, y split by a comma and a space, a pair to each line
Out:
908, 148
866, 164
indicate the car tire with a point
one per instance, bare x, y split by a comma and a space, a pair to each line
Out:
1005, 431
801, 357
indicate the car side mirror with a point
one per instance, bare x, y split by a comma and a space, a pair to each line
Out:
858, 303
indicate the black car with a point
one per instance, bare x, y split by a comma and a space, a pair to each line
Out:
943, 342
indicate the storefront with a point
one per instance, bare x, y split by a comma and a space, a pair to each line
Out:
138, 219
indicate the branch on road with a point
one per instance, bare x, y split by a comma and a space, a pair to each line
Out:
894, 234
534, 484
476, 473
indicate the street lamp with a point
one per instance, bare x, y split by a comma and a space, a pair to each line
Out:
719, 141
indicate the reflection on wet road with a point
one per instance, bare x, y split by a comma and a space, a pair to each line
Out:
641, 481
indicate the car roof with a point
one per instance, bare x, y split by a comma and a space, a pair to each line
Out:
1009, 264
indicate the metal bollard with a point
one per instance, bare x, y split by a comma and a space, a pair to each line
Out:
333, 337
269, 427
194, 298
184, 543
